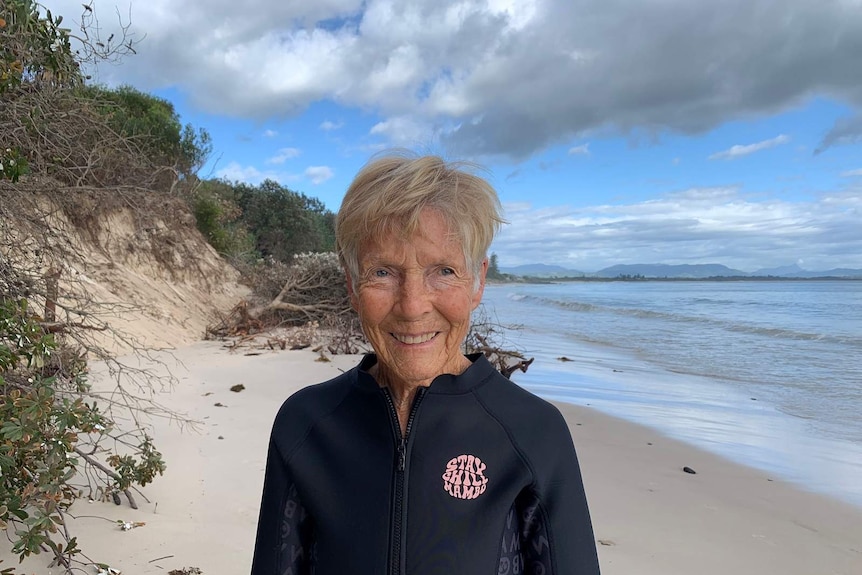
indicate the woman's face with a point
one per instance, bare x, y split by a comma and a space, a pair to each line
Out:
414, 299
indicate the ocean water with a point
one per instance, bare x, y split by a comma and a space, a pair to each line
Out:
768, 374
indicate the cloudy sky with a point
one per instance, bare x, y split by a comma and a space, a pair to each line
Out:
615, 131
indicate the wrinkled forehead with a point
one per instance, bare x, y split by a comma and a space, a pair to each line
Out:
427, 223
392, 235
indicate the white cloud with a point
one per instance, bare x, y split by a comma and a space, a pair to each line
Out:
403, 131
283, 155
269, 133
318, 174
739, 151
328, 126
699, 225
582, 150
235, 172
851, 173
500, 77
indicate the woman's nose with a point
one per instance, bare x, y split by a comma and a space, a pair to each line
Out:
414, 298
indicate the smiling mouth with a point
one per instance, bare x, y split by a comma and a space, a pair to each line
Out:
414, 339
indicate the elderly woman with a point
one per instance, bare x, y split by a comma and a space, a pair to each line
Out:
420, 460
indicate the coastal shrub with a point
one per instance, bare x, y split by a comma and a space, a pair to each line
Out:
283, 222
154, 126
34, 47
12, 164
218, 218
261, 228
80, 134
209, 216
52, 435
58, 440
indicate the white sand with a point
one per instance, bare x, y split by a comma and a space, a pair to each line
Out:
655, 518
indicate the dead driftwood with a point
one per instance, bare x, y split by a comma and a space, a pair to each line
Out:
238, 323
506, 361
312, 290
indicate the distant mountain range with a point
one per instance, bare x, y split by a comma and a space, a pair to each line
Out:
685, 271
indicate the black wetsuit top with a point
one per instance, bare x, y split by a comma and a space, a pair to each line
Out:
485, 482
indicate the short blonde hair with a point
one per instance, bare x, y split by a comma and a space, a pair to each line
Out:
390, 191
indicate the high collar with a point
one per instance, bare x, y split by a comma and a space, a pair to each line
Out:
479, 372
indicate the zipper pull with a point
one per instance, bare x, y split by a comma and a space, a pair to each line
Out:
402, 456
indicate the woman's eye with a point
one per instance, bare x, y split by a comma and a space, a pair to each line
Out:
380, 273
447, 271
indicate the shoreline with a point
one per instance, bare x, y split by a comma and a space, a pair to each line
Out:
726, 518
706, 415
650, 516
642, 279
742, 419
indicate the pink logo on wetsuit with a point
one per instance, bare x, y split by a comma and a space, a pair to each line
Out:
465, 477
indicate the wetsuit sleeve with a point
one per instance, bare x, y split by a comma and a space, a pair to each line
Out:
555, 527
284, 542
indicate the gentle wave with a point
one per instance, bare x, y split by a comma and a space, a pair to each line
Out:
772, 332
751, 370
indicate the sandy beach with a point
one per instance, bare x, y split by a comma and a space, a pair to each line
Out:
650, 517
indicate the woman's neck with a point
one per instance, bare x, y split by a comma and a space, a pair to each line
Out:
403, 392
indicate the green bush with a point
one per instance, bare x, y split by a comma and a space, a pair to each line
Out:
283, 222
154, 125
12, 164
218, 219
44, 420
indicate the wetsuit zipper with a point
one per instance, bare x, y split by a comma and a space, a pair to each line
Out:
399, 508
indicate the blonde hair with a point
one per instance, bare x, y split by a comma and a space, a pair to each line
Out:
390, 191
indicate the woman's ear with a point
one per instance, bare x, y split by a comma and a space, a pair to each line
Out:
480, 287
351, 291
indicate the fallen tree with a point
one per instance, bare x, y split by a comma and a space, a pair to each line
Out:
310, 289
314, 290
